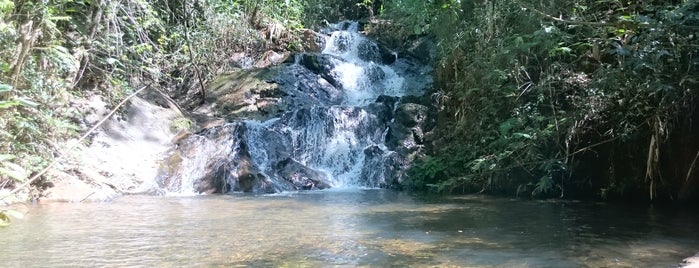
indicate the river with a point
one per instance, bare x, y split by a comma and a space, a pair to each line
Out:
347, 228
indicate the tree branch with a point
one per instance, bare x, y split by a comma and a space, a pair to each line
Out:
47, 168
572, 22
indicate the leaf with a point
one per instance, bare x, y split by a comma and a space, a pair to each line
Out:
523, 135
5, 157
544, 185
27, 102
4, 219
417, 29
111, 60
14, 171
5, 88
59, 18
8, 104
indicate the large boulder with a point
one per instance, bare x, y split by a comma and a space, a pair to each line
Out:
215, 160
408, 136
408, 131
262, 94
303, 177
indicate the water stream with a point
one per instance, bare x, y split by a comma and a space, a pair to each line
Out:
335, 138
348, 228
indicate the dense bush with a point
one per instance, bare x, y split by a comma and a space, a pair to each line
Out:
564, 99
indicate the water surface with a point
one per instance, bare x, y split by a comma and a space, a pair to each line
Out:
373, 228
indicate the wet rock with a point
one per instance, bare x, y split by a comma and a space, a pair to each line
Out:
374, 52
216, 160
313, 41
262, 94
381, 167
408, 136
423, 49
412, 122
270, 58
321, 64
374, 73
305, 88
303, 177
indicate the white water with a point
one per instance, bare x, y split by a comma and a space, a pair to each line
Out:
332, 141
357, 74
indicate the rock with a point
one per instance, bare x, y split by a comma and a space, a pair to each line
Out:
122, 157
381, 168
270, 58
373, 52
408, 136
321, 64
216, 160
313, 41
303, 177
262, 94
408, 130
423, 49
70, 188
242, 60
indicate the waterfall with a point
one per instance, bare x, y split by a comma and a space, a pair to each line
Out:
335, 142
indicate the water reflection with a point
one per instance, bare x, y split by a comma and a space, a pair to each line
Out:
347, 228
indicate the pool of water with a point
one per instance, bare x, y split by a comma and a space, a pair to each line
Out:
376, 228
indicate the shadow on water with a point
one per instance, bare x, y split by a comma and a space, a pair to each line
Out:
376, 228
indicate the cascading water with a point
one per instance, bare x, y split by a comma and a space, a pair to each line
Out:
335, 142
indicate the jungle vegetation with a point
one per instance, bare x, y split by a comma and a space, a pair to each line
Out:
569, 99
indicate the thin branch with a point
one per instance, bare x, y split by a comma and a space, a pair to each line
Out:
587, 23
191, 55
691, 167
61, 156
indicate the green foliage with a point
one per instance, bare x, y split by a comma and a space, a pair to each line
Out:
529, 98
182, 123
426, 172
54, 53
6, 215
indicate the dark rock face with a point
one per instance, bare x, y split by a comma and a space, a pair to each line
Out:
302, 177
313, 41
408, 135
412, 122
301, 125
261, 94
320, 64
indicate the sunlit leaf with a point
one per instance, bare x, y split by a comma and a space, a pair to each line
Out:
523, 135
16, 175
4, 219
8, 104
59, 18
27, 102
5, 88
5, 157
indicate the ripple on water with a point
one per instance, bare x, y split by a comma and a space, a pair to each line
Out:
374, 228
